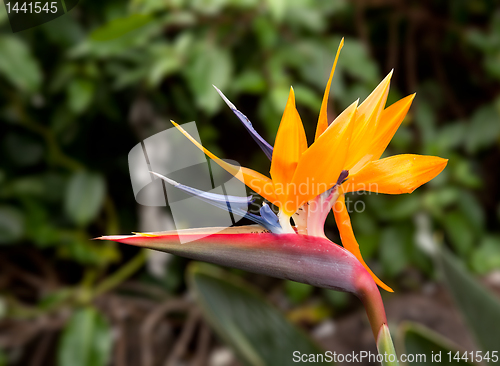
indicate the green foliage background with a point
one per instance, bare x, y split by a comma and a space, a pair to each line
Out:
77, 93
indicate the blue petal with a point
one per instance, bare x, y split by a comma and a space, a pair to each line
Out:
272, 227
264, 145
235, 205
240, 202
267, 214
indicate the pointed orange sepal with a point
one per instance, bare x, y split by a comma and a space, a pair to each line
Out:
323, 116
367, 117
390, 120
388, 124
349, 240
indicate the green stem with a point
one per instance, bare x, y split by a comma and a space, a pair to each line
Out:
121, 275
56, 154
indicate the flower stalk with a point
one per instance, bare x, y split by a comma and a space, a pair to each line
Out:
301, 258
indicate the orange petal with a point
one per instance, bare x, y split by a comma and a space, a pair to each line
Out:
323, 116
367, 117
259, 183
289, 145
320, 166
396, 174
349, 240
388, 124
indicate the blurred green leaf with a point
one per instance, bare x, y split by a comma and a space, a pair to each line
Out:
437, 200
80, 93
492, 66
18, 65
394, 244
118, 27
297, 292
11, 224
4, 18
307, 97
300, 14
451, 136
486, 257
279, 96
484, 129
419, 340
338, 299
270, 118
73, 31
365, 223
480, 308
130, 47
478, 39
84, 196
425, 118
3, 359
209, 7
23, 150
209, 65
356, 62
166, 64
277, 8
249, 81
265, 31
367, 233
472, 209
460, 232
318, 55
40, 227
369, 243
51, 300
402, 139
465, 174
258, 332
86, 340
396, 208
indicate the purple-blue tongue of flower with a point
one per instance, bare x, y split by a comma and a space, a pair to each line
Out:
233, 204
264, 145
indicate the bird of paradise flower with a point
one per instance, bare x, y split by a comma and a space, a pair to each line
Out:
306, 183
